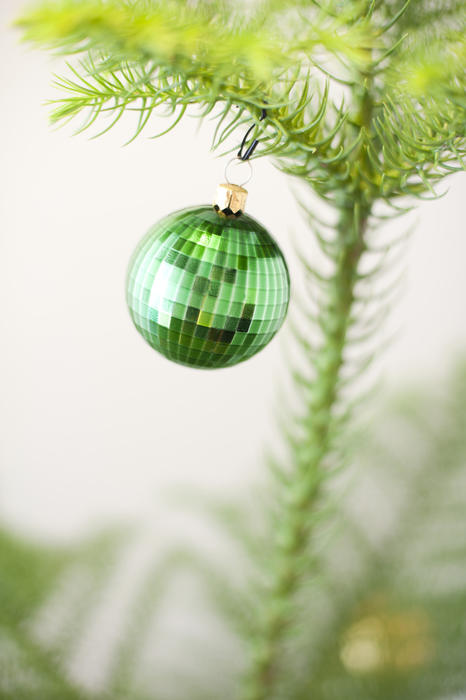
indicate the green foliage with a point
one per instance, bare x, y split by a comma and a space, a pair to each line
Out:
143, 56
389, 629
30, 574
365, 106
174, 33
381, 620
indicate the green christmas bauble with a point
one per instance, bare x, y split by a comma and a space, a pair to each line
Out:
207, 290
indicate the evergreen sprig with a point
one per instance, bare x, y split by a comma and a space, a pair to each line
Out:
365, 106
381, 619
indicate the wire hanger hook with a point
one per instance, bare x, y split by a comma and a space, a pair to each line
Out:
251, 148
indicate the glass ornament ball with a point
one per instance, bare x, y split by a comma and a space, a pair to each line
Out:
207, 290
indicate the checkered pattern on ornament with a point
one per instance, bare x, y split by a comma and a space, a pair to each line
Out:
207, 291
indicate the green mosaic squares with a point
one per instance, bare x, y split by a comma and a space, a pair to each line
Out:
207, 291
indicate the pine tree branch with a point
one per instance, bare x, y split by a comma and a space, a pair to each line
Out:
423, 18
295, 522
142, 56
383, 565
192, 38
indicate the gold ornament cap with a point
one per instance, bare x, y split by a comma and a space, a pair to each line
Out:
230, 200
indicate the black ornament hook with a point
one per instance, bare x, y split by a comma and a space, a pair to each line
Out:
251, 148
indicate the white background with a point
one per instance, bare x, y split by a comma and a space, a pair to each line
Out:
94, 423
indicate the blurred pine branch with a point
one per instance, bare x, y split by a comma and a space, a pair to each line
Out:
382, 620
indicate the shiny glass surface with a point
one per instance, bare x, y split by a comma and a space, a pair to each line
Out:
207, 291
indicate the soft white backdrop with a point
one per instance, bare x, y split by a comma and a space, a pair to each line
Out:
94, 423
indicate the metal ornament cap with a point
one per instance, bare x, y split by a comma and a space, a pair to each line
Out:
230, 200
207, 291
